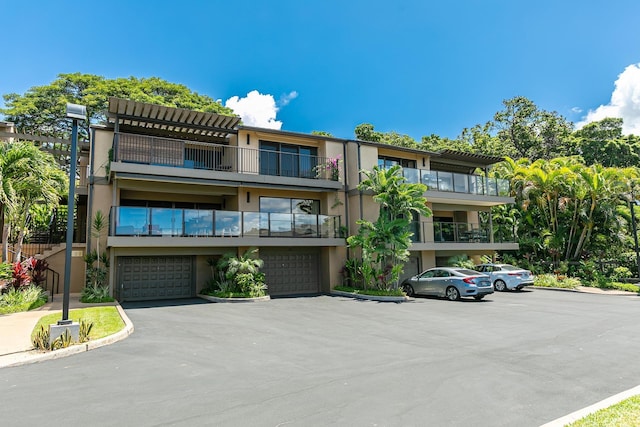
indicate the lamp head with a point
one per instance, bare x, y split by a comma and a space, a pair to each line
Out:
76, 111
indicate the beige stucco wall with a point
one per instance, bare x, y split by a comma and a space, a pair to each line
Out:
101, 145
57, 263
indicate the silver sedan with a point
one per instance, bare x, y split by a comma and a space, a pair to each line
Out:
449, 282
506, 277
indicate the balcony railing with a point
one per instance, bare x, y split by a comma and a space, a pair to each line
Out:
140, 221
457, 182
462, 232
150, 150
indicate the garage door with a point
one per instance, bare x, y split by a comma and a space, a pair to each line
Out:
155, 277
291, 272
411, 268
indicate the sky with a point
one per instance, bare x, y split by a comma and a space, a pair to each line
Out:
416, 67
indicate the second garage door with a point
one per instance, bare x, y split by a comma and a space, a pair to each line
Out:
291, 272
155, 277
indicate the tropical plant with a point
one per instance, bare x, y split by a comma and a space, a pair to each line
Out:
239, 275
385, 242
84, 330
21, 276
63, 341
95, 294
40, 339
462, 261
97, 264
23, 299
29, 176
37, 269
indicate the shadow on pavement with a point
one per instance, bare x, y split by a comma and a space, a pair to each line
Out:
131, 305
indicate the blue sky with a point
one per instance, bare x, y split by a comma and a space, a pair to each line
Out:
410, 66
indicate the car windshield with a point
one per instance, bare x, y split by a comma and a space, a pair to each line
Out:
466, 272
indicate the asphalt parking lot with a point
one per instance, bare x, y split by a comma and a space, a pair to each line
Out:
517, 358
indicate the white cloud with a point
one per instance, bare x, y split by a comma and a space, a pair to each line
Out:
576, 110
287, 98
259, 110
625, 102
256, 109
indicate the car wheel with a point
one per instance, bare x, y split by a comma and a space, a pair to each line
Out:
408, 289
478, 297
452, 294
500, 285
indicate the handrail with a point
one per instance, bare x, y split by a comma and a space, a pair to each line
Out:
55, 281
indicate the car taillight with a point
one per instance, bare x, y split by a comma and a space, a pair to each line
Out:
469, 280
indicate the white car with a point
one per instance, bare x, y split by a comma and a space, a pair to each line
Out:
506, 277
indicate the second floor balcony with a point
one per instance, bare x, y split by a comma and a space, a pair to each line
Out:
457, 182
140, 221
159, 151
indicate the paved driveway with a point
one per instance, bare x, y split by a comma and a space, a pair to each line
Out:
514, 359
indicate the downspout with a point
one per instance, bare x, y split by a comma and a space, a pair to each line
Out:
91, 182
486, 175
360, 178
345, 188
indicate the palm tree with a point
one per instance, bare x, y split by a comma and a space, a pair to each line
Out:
385, 242
28, 176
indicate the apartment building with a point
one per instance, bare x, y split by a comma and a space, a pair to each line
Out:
181, 188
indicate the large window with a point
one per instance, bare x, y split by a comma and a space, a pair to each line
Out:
289, 217
287, 160
409, 171
387, 162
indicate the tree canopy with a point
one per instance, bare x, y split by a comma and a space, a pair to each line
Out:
42, 109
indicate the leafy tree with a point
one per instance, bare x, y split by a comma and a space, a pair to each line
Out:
321, 133
365, 132
527, 131
602, 142
42, 109
436, 143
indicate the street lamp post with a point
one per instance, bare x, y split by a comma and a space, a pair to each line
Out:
75, 112
632, 206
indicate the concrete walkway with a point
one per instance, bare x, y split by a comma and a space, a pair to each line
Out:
16, 328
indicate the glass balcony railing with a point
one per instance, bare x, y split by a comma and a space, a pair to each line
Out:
457, 182
462, 232
140, 221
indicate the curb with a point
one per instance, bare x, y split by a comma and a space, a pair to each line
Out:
34, 356
581, 413
555, 289
582, 291
371, 297
233, 300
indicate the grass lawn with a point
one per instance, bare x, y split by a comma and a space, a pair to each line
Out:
623, 414
106, 320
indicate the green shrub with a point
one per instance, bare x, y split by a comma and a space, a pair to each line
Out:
238, 276
462, 261
552, 281
95, 294
22, 299
621, 273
